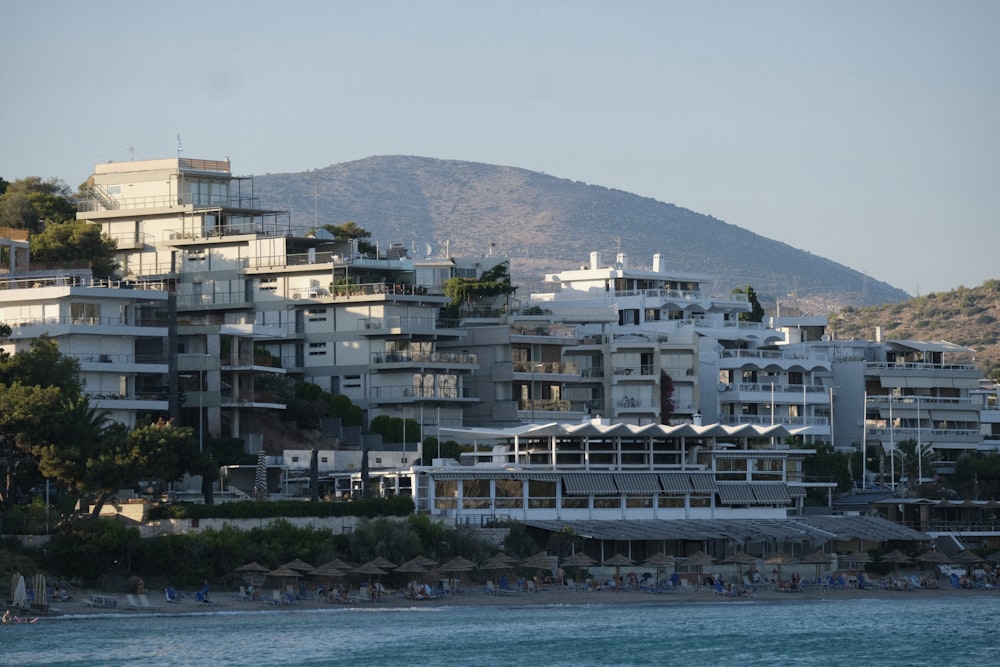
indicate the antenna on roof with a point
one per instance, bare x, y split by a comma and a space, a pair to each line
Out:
131, 152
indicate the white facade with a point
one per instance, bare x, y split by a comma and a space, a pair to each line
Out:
116, 330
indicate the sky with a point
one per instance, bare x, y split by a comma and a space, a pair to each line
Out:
864, 132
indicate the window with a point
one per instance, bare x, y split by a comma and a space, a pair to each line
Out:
85, 313
316, 314
267, 284
317, 349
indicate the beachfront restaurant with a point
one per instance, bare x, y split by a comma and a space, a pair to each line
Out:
644, 489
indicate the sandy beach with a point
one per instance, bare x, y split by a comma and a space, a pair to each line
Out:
226, 601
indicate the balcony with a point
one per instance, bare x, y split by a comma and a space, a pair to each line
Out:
411, 394
547, 368
405, 359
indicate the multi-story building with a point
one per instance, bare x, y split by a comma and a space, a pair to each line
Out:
253, 298
117, 330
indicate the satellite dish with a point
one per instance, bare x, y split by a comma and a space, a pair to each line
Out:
428, 250
825, 338
618, 266
322, 233
723, 386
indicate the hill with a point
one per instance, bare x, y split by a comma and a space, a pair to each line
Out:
966, 316
545, 224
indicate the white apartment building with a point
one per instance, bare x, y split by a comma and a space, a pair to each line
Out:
253, 297
117, 330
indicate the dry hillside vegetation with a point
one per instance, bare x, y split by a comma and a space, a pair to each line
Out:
965, 316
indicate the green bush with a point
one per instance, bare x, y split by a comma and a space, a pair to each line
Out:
250, 509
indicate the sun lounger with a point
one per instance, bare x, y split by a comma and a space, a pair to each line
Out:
104, 601
131, 603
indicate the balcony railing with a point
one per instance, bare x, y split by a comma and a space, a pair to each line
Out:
68, 320
544, 367
423, 357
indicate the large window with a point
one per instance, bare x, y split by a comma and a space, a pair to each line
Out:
509, 494
445, 494
541, 494
85, 313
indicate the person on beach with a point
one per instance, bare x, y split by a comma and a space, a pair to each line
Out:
204, 592
7, 617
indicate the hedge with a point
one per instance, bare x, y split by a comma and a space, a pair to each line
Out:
252, 509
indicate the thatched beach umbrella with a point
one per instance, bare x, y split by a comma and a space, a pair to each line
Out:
780, 559
618, 561
659, 562
896, 557
369, 570
699, 559
858, 557
299, 565
500, 561
817, 558
383, 563
456, 566
540, 561
578, 560
740, 558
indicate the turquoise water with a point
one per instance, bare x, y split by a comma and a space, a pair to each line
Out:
894, 631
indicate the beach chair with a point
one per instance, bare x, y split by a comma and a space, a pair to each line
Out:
131, 603
170, 594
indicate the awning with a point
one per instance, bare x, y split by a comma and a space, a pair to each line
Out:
703, 482
637, 484
584, 484
796, 491
736, 494
771, 493
675, 483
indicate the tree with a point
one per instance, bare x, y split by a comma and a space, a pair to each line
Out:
351, 231
468, 292
77, 241
827, 465
103, 458
32, 203
756, 313
666, 397
35, 386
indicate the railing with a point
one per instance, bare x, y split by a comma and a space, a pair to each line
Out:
97, 358
545, 405
786, 388
69, 320
79, 281
765, 420
930, 434
543, 367
593, 372
772, 354
212, 299
891, 365
642, 370
423, 357
630, 402
137, 396
404, 324
397, 392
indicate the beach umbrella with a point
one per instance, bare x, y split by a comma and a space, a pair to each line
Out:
456, 566
500, 561
740, 558
699, 559
857, 557
328, 572
253, 572
299, 566
659, 562
994, 557
339, 564
618, 561
383, 563
425, 561
780, 559
896, 557
932, 558
252, 567
19, 592
540, 561
578, 560
817, 558
260, 476
369, 569
412, 566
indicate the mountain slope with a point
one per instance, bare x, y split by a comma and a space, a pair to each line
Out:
964, 316
546, 224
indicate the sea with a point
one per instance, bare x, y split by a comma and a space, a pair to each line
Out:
891, 631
